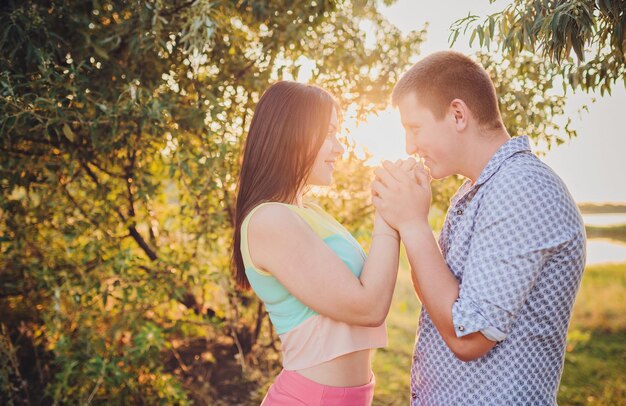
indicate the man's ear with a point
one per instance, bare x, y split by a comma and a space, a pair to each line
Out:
459, 113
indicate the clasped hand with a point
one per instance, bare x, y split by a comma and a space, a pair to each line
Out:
401, 193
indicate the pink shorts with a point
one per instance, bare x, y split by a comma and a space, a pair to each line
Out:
290, 388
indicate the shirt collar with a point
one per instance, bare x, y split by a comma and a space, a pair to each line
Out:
507, 150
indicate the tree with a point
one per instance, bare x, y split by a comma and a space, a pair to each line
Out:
121, 128
594, 29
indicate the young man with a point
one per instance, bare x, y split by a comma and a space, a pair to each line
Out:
499, 287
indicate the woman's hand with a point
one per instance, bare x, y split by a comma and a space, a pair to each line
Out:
380, 225
403, 198
408, 165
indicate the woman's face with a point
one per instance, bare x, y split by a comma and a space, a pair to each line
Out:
324, 165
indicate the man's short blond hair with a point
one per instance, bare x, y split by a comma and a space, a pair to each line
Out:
447, 75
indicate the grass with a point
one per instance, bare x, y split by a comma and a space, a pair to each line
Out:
392, 363
594, 364
595, 361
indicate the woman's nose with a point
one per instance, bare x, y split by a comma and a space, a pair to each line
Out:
338, 148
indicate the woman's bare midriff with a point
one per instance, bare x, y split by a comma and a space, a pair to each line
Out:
353, 369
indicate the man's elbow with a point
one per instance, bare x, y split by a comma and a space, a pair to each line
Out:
468, 351
466, 356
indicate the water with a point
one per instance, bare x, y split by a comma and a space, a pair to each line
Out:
608, 219
600, 251
603, 250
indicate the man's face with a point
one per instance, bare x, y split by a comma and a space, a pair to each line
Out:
432, 139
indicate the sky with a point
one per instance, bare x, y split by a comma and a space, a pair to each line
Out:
593, 165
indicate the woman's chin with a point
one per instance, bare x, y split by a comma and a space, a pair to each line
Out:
321, 182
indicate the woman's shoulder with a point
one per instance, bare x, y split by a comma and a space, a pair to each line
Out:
317, 208
272, 220
271, 217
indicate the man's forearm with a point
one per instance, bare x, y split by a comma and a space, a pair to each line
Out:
438, 288
416, 287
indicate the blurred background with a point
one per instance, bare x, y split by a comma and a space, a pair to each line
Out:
121, 129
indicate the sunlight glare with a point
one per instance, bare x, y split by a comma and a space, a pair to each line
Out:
380, 134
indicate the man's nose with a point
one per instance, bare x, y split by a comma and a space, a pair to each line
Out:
411, 148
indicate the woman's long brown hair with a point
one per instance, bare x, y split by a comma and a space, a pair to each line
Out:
288, 127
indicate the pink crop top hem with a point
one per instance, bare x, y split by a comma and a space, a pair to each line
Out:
320, 339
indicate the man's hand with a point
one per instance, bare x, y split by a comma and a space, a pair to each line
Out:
402, 195
407, 165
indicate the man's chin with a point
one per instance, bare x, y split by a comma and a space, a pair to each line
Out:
437, 175
431, 170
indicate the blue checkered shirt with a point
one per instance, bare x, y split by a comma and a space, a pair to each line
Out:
515, 241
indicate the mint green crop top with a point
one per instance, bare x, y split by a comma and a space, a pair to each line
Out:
285, 311
308, 338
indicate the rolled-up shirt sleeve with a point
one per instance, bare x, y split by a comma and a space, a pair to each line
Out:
511, 241
468, 318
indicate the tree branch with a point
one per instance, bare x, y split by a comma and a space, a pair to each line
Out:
175, 10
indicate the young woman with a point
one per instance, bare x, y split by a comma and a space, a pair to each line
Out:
326, 300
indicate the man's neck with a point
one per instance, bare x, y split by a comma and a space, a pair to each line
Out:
481, 150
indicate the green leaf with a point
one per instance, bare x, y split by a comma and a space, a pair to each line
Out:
100, 52
67, 131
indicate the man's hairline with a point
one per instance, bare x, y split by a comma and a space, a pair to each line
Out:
414, 93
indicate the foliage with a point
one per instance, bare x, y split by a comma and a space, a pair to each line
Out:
594, 208
121, 127
594, 29
528, 103
617, 233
